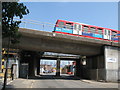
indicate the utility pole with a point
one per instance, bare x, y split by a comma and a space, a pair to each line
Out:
6, 71
0, 33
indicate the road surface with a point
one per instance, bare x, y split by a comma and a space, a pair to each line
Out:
50, 81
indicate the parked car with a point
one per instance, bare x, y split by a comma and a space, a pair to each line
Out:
49, 71
45, 71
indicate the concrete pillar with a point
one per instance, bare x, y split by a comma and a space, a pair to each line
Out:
95, 68
35, 67
111, 63
33, 60
32, 66
78, 68
38, 66
17, 68
0, 34
104, 66
119, 64
58, 68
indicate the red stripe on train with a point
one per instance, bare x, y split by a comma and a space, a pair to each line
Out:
83, 36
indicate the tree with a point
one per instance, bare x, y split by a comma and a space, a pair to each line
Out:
10, 26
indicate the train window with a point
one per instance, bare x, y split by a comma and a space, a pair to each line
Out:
105, 31
80, 27
108, 32
77, 27
68, 25
114, 33
61, 24
92, 29
85, 28
99, 30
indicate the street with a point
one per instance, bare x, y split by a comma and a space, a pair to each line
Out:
50, 81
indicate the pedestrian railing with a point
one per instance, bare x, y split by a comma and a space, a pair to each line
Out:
36, 25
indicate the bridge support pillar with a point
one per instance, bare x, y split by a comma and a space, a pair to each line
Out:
38, 66
94, 68
33, 61
78, 68
104, 66
58, 68
112, 59
34, 65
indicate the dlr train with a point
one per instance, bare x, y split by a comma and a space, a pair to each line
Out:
85, 30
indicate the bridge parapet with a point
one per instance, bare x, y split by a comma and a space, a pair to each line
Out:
43, 41
68, 38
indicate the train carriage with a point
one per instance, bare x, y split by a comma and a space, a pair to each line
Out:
85, 30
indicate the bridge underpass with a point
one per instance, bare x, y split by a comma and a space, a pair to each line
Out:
102, 56
79, 68
94, 68
34, 65
60, 68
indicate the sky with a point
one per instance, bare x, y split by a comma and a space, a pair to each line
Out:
69, 0
103, 14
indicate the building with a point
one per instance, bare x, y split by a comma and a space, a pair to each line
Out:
13, 62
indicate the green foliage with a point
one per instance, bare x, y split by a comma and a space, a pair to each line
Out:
9, 25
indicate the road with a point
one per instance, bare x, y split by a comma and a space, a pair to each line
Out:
50, 81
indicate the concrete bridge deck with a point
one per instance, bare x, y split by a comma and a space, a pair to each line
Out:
35, 40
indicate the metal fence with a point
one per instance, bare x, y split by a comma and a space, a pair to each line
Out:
36, 25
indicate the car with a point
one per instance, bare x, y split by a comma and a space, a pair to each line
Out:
49, 71
45, 71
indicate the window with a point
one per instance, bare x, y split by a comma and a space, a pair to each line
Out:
99, 30
108, 32
77, 27
114, 33
105, 32
85, 28
68, 26
80, 27
92, 29
61, 24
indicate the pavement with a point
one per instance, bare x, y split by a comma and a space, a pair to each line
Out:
2, 81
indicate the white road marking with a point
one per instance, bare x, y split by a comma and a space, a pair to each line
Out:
9, 82
32, 84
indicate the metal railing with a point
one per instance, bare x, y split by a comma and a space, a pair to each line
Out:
36, 25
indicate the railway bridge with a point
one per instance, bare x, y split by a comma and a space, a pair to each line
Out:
102, 57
